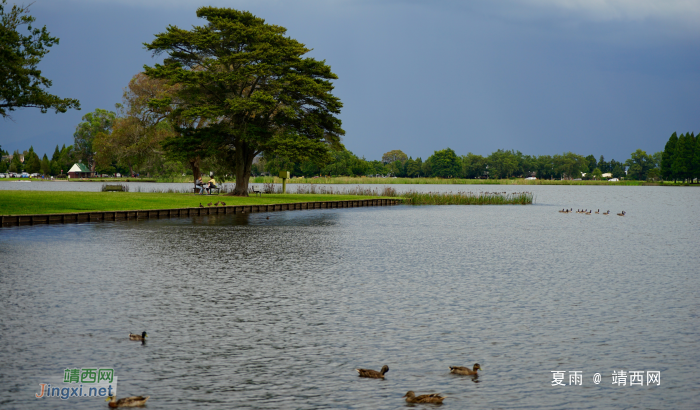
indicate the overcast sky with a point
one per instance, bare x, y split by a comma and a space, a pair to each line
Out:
601, 77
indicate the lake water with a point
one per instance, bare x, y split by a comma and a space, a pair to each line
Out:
248, 312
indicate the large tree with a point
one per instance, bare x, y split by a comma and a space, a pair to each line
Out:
667, 157
503, 164
253, 86
138, 130
21, 82
445, 164
94, 124
393, 156
639, 165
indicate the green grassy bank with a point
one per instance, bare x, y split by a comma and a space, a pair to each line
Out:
48, 202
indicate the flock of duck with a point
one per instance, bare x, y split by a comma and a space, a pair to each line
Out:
210, 204
434, 398
588, 212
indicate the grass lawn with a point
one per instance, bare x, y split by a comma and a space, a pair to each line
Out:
47, 202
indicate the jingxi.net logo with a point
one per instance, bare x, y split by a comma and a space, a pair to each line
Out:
85, 382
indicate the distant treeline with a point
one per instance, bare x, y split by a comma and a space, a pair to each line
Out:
61, 161
680, 160
447, 164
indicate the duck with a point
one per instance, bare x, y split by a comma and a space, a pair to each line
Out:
434, 398
209, 204
217, 203
621, 213
138, 337
606, 213
465, 370
134, 401
223, 203
200, 205
598, 211
373, 374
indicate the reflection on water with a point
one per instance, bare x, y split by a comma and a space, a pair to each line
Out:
245, 311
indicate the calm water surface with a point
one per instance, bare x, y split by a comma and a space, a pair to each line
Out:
249, 312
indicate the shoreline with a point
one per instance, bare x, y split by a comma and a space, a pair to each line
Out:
106, 216
376, 181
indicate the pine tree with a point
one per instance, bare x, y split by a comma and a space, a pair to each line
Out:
695, 163
667, 158
682, 157
45, 166
56, 154
32, 161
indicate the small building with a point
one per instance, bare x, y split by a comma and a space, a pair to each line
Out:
79, 170
607, 175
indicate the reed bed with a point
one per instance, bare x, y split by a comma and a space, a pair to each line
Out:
358, 190
468, 198
411, 197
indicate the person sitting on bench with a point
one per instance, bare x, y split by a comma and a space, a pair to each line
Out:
199, 184
210, 185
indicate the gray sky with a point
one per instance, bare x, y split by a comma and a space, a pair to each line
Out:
601, 77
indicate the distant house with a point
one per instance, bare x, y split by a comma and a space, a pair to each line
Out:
79, 170
607, 175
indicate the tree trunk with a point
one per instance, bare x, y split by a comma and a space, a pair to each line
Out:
244, 156
194, 163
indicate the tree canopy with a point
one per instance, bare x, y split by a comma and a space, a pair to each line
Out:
137, 131
393, 156
21, 82
252, 86
94, 124
445, 164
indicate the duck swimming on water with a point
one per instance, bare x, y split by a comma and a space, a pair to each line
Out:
434, 398
137, 337
373, 374
134, 401
465, 370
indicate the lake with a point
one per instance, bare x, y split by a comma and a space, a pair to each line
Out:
248, 312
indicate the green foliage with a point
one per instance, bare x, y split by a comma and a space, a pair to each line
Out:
680, 159
32, 163
473, 166
250, 85
45, 166
639, 165
503, 164
445, 164
94, 124
21, 82
345, 163
393, 156
667, 157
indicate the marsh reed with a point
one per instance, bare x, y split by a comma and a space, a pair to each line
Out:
468, 198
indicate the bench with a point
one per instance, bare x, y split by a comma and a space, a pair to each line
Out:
113, 188
197, 189
256, 190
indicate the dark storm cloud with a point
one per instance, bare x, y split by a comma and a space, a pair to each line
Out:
540, 76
